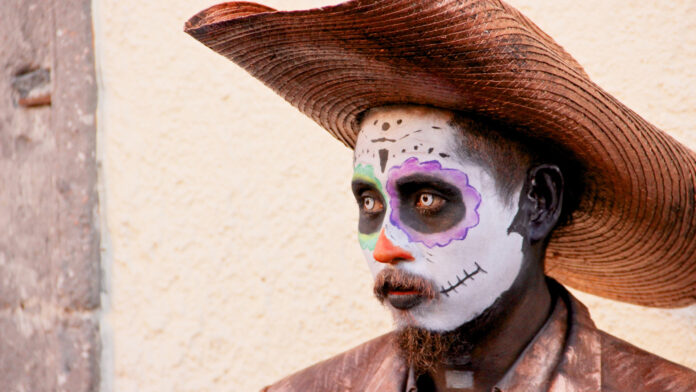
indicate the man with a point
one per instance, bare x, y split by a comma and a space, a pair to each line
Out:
476, 137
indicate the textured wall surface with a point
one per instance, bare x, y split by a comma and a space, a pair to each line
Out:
49, 243
231, 224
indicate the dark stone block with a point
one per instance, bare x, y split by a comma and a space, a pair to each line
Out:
40, 352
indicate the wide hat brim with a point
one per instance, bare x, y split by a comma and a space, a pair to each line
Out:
633, 236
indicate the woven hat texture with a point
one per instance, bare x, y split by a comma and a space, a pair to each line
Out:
633, 236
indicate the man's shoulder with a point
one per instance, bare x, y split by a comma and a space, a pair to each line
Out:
626, 367
610, 364
372, 364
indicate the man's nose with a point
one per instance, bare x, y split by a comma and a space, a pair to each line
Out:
386, 252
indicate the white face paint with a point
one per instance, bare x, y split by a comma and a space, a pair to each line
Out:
441, 209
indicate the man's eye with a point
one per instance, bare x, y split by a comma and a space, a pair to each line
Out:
370, 204
426, 199
429, 202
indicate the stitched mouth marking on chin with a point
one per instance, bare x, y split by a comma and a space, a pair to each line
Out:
460, 281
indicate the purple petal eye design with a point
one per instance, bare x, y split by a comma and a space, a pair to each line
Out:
432, 205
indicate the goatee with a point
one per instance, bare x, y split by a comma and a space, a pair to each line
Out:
424, 350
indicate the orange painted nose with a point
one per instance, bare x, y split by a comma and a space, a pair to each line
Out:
386, 252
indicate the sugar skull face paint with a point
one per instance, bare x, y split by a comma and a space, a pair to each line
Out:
444, 222
371, 204
430, 217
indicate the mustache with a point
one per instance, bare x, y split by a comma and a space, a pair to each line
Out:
391, 279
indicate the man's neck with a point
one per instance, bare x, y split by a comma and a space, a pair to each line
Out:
497, 351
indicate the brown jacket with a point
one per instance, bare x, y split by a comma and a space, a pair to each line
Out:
568, 354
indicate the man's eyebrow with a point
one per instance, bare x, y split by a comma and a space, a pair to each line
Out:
365, 174
421, 180
360, 184
359, 180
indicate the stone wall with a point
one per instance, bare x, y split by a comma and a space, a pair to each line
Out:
49, 248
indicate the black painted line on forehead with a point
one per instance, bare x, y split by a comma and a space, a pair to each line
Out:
408, 134
383, 139
383, 156
434, 127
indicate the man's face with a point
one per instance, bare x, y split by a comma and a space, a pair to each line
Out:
433, 227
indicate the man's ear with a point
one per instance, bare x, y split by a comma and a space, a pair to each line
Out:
544, 193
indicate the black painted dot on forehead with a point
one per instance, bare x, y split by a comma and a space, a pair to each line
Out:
399, 121
430, 150
415, 147
385, 126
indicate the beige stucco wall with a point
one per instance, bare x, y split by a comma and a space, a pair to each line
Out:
229, 228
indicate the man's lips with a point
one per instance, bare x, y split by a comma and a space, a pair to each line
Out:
402, 290
405, 299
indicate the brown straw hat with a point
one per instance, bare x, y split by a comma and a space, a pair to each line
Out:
633, 236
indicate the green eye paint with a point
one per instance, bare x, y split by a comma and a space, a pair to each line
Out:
368, 241
366, 174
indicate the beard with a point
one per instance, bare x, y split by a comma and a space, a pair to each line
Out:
423, 349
